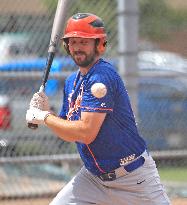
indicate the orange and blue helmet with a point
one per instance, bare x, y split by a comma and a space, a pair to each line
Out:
86, 25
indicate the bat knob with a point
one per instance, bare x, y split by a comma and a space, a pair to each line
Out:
32, 126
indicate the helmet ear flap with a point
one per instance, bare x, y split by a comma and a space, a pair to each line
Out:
66, 46
101, 47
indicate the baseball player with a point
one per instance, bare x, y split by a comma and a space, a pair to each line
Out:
96, 114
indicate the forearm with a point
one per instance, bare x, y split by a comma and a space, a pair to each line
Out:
71, 131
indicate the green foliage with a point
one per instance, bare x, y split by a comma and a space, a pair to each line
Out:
51, 4
178, 19
153, 18
157, 19
178, 174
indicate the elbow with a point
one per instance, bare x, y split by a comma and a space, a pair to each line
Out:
89, 137
89, 140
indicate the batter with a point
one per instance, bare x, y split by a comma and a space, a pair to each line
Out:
96, 114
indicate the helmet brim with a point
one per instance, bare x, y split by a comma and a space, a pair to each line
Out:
79, 34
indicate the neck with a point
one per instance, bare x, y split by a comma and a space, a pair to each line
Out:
84, 70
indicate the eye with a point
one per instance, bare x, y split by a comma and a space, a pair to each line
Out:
72, 43
84, 42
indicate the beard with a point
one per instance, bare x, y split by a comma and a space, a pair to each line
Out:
82, 59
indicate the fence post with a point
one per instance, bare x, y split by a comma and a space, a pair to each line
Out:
128, 46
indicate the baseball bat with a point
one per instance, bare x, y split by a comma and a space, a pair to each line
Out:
56, 34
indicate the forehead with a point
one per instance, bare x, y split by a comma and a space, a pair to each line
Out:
77, 39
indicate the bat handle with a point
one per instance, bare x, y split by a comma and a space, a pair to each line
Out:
42, 87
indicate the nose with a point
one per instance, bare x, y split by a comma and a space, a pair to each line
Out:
77, 46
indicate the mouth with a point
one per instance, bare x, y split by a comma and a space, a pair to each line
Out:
79, 56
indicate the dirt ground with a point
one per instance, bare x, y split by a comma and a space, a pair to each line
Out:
176, 42
46, 202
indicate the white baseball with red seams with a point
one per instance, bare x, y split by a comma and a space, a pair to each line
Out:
98, 90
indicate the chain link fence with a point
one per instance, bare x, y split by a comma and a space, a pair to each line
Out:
38, 164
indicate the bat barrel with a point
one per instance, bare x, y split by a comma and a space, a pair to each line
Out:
58, 25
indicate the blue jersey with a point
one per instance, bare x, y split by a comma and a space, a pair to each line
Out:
118, 140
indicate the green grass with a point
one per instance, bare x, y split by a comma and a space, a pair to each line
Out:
176, 174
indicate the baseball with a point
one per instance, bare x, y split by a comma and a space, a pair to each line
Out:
98, 90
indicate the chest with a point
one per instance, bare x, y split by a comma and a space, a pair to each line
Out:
75, 96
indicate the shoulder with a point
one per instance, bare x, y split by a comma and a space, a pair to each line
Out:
106, 71
105, 66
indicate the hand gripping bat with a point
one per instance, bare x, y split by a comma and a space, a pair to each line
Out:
56, 34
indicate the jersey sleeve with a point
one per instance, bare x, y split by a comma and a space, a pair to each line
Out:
99, 93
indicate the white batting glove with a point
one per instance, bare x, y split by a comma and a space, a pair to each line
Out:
40, 101
36, 116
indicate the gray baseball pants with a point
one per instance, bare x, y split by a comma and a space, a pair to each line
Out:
140, 187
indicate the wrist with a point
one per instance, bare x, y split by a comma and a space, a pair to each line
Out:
46, 116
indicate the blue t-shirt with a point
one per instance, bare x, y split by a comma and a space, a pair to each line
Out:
118, 140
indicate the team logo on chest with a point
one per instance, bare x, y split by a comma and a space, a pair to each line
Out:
74, 105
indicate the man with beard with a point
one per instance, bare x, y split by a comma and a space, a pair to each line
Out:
97, 116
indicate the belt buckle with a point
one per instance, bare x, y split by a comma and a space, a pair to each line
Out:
111, 176
108, 176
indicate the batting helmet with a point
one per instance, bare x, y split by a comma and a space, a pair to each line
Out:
86, 25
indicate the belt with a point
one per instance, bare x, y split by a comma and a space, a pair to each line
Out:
122, 171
